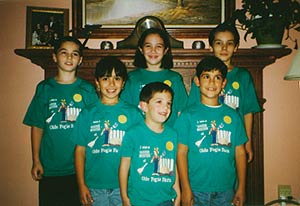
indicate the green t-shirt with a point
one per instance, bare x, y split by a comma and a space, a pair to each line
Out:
138, 78
211, 135
153, 164
100, 129
239, 92
54, 108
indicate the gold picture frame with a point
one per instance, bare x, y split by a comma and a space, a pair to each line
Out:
44, 26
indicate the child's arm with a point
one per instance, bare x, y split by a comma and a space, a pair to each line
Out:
186, 195
84, 192
123, 179
248, 121
177, 189
240, 158
37, 169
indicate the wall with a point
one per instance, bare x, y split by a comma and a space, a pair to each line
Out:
17, 84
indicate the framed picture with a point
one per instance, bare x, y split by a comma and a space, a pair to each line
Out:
44, 26
117, 18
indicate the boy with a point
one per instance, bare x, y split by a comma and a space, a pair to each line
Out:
51, 115
239, 92
149, 152
211, 141
98, 134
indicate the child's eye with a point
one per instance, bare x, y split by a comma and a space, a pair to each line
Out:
205, 76
104, 78
219, 77
76, 54
217, 43
118, 78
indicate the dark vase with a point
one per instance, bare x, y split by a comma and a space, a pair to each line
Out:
269, 32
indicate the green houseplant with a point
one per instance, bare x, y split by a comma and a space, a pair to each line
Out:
265, 18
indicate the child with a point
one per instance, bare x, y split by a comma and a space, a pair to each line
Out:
211, 141
153, 59
51, 115
239, 92
98, 134
149, 152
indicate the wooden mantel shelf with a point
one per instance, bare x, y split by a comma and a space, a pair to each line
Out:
182, 57
185, 61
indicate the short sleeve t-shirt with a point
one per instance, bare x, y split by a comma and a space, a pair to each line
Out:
100, 129
55, 108
211, 135
153, 164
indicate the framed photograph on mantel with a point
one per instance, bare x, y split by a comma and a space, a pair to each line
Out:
117, 18
44, 26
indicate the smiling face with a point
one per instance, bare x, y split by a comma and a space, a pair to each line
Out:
158, 108
110, 87
211, 84
154, 50
67, 57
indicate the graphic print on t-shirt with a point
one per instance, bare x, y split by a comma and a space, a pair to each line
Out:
229, 98
159, 162
105, 129
68, 112
217, 132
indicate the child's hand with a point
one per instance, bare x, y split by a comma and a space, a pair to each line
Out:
239, 198
126, 202
85, 195
187, 198
37, 171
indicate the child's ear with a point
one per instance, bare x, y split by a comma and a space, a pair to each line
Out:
196, 81
166, 50
54, 57
236, 47
141, 50
144, 106
97, 84
80, 61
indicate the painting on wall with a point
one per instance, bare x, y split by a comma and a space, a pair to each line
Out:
187, 16
44, 26
174, 13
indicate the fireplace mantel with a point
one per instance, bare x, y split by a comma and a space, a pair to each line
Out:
185, 61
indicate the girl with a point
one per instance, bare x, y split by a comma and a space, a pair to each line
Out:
153, 59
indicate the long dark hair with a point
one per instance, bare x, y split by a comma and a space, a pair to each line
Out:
139, 59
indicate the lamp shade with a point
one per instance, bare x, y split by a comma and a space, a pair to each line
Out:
294, 70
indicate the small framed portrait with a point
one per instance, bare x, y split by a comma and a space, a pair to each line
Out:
44, 26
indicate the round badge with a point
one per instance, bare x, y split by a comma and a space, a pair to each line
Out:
227, 119
77, 97
169, 146
168, 82
122, 119
235, 85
